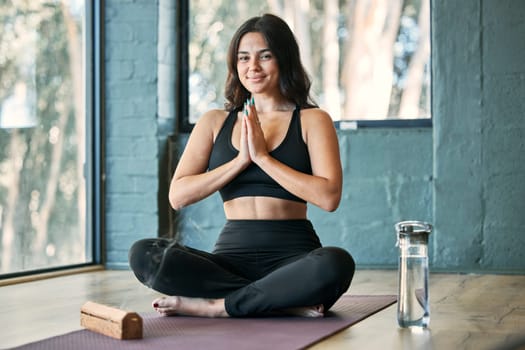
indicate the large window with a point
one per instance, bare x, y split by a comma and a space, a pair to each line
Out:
369, 60
44, 47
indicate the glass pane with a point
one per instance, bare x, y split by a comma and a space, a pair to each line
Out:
42, 135
368, 59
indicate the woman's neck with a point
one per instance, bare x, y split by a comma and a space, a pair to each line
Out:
265, 104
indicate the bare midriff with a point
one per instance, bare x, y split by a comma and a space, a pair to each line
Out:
264, 208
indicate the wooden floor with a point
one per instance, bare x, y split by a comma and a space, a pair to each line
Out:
467, 311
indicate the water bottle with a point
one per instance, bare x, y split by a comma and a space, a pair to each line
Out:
412, 305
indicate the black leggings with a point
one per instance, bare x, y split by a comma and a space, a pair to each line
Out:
258, 266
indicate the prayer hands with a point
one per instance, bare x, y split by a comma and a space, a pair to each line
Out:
252, 135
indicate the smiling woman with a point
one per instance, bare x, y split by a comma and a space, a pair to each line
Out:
257, 69
268, 153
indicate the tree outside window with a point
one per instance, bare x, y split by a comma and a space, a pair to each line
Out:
42, 135
368, 59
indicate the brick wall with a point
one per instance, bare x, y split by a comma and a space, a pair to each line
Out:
479, 84
131, 141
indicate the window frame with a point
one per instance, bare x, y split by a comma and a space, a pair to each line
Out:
95, 129
184, 125
183, 68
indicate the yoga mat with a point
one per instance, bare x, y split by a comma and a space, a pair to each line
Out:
182, 332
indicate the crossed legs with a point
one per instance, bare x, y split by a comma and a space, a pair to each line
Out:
209, 285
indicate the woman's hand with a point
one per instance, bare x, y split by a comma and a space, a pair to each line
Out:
256, 142
244, 153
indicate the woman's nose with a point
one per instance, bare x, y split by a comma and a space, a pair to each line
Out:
254, 64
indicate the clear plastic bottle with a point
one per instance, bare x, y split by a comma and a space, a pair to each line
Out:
412, 305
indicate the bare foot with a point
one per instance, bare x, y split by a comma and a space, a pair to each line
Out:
176, 305
306, 311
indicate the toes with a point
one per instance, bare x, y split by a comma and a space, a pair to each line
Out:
157, 302
166, 312
166, 306
315, 313
311, 313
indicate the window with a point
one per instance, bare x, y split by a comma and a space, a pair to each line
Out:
369, 60
44, 172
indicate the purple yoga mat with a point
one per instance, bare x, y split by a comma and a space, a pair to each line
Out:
181, 332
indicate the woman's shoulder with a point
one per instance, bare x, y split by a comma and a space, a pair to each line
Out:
316, 123
213, 115
314, 116
212, 119
209, 124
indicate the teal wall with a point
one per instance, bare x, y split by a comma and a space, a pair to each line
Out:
479, 134
132, 151
465, 174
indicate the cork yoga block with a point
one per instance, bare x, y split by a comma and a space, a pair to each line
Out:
110, 321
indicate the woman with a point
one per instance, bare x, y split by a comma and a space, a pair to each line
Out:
268, 154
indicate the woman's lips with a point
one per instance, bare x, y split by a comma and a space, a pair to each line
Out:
256, 78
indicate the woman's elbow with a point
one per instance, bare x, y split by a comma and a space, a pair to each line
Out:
176, 201
331, 202
331, 206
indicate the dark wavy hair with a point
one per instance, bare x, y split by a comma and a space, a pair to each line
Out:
293, 79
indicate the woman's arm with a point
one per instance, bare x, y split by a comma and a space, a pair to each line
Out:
323, 188
191, 181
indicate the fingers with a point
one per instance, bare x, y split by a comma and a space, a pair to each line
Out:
255, 140
250, 112
244, 153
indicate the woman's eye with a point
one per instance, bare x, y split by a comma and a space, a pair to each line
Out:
265, 56
243, 58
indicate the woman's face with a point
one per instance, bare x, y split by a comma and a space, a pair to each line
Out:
256, 65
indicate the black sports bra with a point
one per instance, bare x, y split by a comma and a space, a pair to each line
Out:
253, 181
